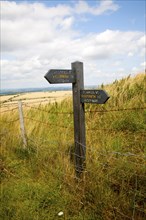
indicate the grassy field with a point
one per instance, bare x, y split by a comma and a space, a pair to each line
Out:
39, 182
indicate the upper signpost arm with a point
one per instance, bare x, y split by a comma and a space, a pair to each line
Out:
55, 76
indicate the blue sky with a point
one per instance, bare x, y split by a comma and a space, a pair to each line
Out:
108, 36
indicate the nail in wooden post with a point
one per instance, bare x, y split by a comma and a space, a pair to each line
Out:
79, 118
23, 134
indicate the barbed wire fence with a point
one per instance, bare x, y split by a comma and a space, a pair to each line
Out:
57, 125
27, 105
95, 157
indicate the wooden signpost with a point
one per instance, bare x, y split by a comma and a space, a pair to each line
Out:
79, 119
80, 96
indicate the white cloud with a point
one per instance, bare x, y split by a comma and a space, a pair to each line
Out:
67, 23
82, 7
13, 11
142, 41
143, 64
134, 69
104, 6
107, 44
25, 25
117, 63
36, 38
130, 54
121, 70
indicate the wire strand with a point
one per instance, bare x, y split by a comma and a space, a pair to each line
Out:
9, 110
47, 124
10, 121
114, 110
49, 112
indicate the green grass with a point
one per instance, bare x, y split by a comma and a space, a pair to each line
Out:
39, 182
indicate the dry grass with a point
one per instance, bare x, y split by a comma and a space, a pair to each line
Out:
39, 182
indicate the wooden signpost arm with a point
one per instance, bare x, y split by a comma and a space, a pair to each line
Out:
79, 118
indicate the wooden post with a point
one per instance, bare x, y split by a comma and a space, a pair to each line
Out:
79, 118
22, 128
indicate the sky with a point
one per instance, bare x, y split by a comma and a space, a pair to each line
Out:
108, 36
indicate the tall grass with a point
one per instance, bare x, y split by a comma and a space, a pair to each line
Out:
39, 182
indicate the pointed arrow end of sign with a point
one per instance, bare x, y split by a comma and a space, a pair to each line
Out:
107, 99
105, 96
47, 76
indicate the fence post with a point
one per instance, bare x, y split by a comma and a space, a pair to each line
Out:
22, 128
79, 118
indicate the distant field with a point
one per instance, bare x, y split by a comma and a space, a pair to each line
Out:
34, 98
